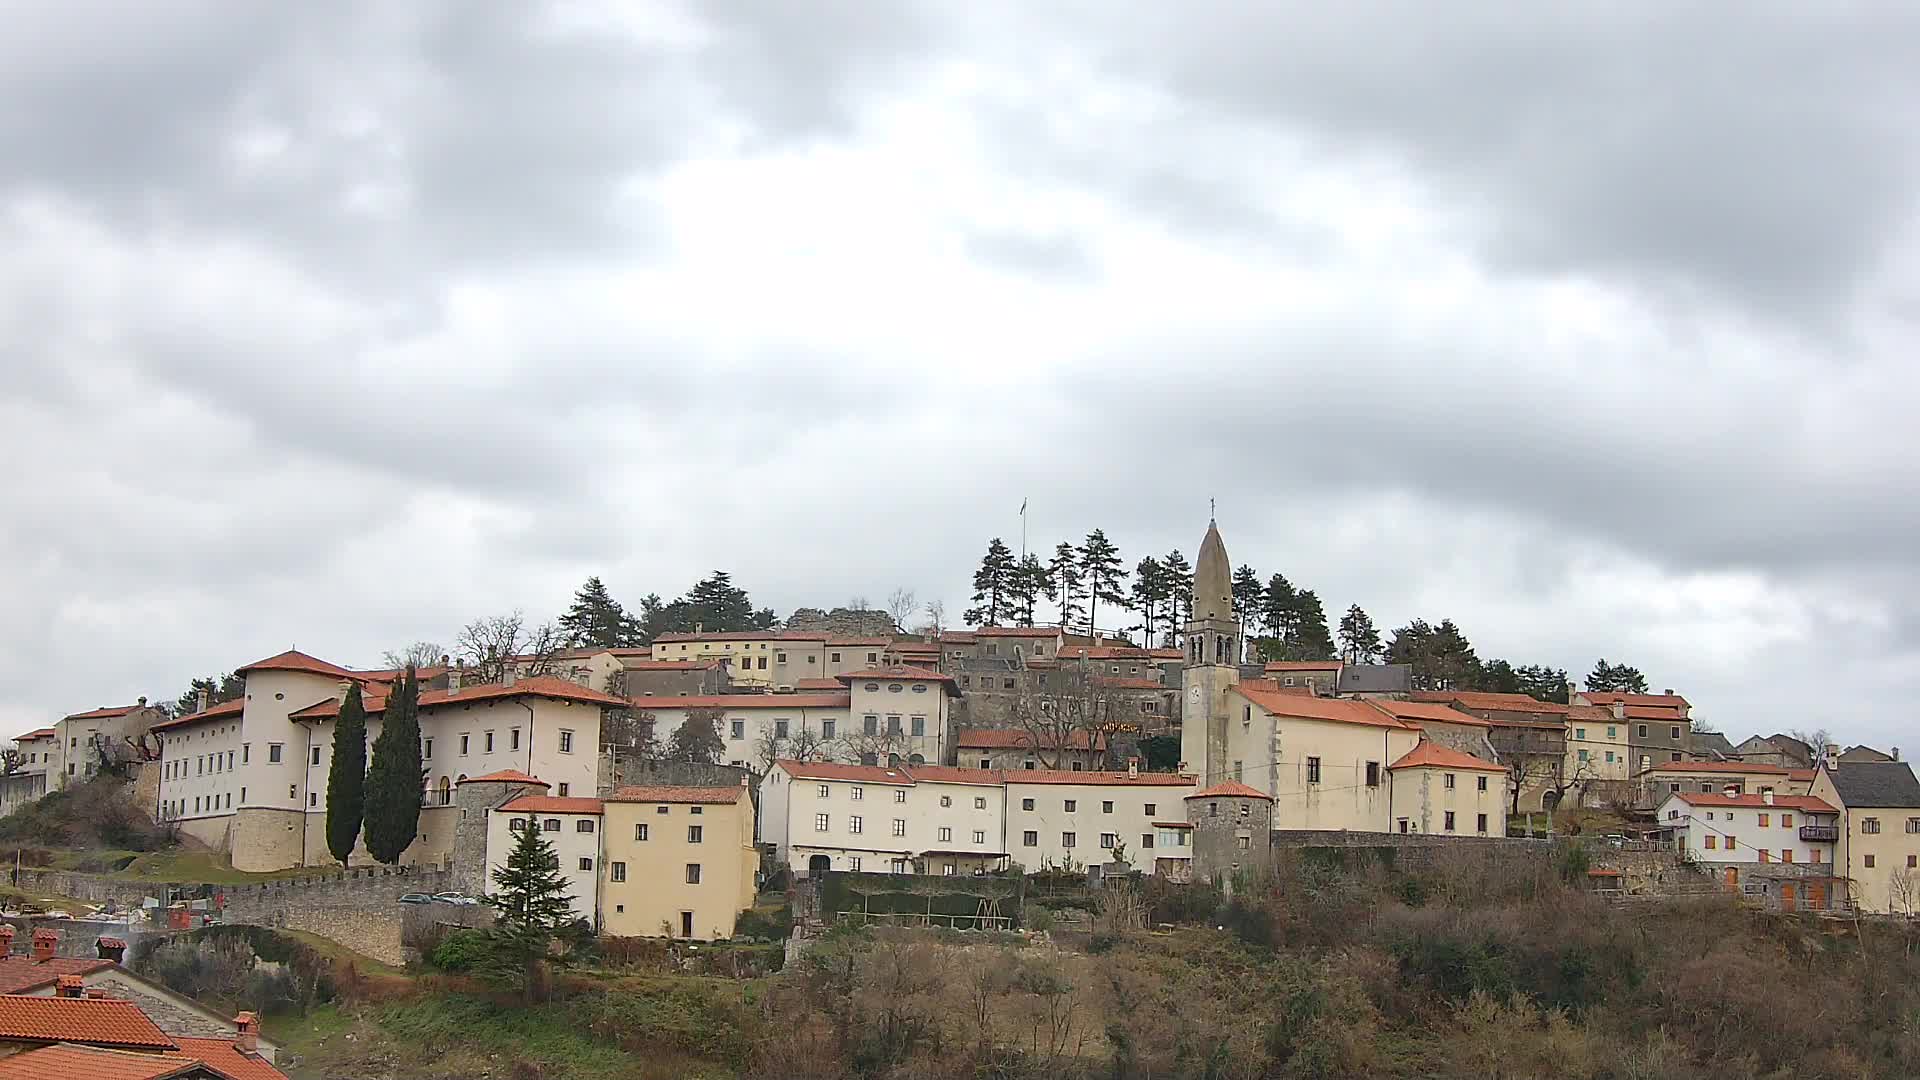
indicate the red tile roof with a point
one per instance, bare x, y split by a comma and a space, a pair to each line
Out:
1488, 702
553, 804
1608, 697
295, 660
826, 684
1432, 755
1718, 768
904, 672
95, 1021
540, 686
872, 643
640, 664
1801, 775
1067, 776
105, 712
1756, 801
1430, 712
841, 700
39, 733
1648, 712
225, 1057
1337, 710
1303, 665
225, 710
20, 974
506, 776
706, 796
1231, 789
956, 637
1016, 739
948, 774
743, 635
1015, 631
92, 1063
833, 770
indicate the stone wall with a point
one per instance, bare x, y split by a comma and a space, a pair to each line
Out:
1411, 851
633, 772
92, 888
360, 909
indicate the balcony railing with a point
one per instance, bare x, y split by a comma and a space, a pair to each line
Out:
1820, 834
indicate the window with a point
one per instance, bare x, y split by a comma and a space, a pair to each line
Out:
1712, 841
426, 748
489, 743
946, 800
640, 831
563, 793
1786, 821
1373, 774
566, 742
857, 794
780, 658
1643, 731
693, 874
1066, 839
663, 809
1674, 734
586, 863
826, 729
824, 791
316, 756
273, 752
1580, 733
870, 724
1786, 854
893, 725
584, 825
1480, 822
465, 740
246, 751
1006, 684
1150, 809
853, 863
1448, 783
1480, 783
1869, 861
1730, 843
1870, 825
1763, 821
1913, 862
899, 826
1609, 757
979, 802
1026, 804
979, 836
1913, 825
513, 738
836, 658
763, 664
1449, 821
1108, 840
856, 825
616, 871
1030, 839
899, 796
780, 729
918, 725
946, 835
1106, 807
1583, 754
552, 824
694, 833
1313, 770
820, 822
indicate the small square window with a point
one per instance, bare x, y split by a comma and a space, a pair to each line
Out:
1030, 839
640, 830
979, 802
820, 823
1072, 805
694, 833
693, 868
586, 863
617, 871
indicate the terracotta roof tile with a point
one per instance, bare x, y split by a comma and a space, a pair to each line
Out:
225, 710
1017, 739
868, 643
897, 671
105, 712
39, 733
1430, 754
221, 1054
1067, 776
707, 796
833, 770
295, 660
1488, 702
540, 686
20, 974
1231, 789
948, 774
1756, 801
1337, 710
824, 684
640, 663
553, 804
92, 1063
506, 776
728, 702
1718, 768
1608, 697
95, 1021
743, 635
1432, 712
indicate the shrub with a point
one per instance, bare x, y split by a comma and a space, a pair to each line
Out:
770, 923
462, 950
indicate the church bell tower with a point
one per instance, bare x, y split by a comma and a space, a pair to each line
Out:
1212, 664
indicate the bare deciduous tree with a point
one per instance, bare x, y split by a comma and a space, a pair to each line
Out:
11, 760
420, 654
880, 746
901, 604
1070, 710
803, 745
487, 646
936, 613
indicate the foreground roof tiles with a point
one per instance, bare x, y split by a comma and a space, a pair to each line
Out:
1489, 702
225, 710
20, 973
540, 686
736, 702
90, 1063
1230, 789
95, 1021
105, 712
295, 660
506, 776
1430, 754
1299, 706
1756, 801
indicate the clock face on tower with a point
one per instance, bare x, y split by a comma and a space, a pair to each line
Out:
1193, 697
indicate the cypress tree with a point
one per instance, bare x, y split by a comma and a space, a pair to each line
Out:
347, 780
396, 779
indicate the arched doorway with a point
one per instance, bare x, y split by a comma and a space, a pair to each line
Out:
818, 865
917, 759
446, 791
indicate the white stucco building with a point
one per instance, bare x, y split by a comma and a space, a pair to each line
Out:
573, 826
1719, 827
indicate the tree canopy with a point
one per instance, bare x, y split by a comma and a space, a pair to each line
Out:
395, 780
597, 619
347, 776
1359, 640
1616, 677
531, 902
697, 739
993, 586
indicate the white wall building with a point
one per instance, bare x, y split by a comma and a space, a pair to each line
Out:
1061, 818
572, 825
1749, 828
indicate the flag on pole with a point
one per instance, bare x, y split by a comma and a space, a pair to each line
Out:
1023, 507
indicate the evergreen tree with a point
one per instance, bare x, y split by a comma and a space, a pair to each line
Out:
1359, 641
1618, 678
597, 619
1028, 585
1100, 565
697, 740
1180, 587
1150, 594
1542, 682
531, 901
1276, 609
347, 777
717, 604
1064, 573
1498, 677
1246, 596
219, 688
1310, 639
1440, 656
992, 587
396, 780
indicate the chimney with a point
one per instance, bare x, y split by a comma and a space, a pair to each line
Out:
1894, 752
746, 779
70, 986
1620, 711
1573, 689
1731, 791
1668, 691
453, 680
446, 660
1766, 796
1833, 755
6, 939
202, 700
508, 676
112, 948
246, 1035
45, 942
1133, 768
97, 993
142, 701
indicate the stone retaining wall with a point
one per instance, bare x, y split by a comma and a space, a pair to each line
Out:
360, 909
1412, 851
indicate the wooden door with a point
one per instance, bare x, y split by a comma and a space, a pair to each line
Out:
1817, 895
1787, 897
1732, 879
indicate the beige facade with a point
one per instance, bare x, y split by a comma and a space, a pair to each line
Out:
1597, 744
677, 862
1323, 760
572, 826
1436, 789
874, 819
1878, 846
747, 720
768, 661
71, 755
1075, 819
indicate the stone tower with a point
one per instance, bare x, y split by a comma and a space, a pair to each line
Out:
1232, 833
1212, 664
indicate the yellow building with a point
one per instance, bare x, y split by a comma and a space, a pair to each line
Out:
1437, 789
677, 861
1877, 845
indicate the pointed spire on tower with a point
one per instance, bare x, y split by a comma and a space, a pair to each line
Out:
1213, 579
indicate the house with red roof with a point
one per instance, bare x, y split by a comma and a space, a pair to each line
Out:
83, 1035
1774, 847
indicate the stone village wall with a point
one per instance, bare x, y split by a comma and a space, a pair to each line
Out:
360, 909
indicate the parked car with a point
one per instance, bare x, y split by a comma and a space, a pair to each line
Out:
416, 898
457, 899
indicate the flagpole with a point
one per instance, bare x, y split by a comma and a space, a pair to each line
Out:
1023, 530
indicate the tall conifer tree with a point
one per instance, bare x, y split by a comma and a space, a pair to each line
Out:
347, 777
396, 779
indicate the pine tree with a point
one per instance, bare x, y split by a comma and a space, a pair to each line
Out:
1277, 609
1246, 595
1150, 594
219, 688
1619, 678
1310, 638
1180, 587
1542, 682
1359, 641
396, 780
597, 619
1064, 573
1440, 656
347, 776
716, 604
531, 901
1028, 585
992, 587
1101, 567
697, 740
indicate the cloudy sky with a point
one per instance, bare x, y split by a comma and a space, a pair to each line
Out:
1590, 326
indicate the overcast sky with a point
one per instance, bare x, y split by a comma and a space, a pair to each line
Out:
1590, 326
